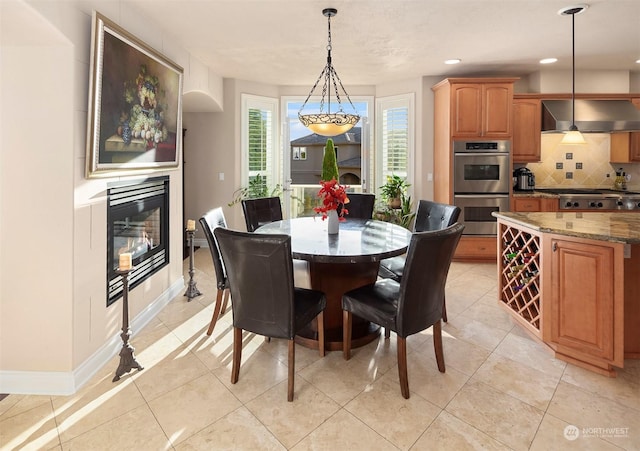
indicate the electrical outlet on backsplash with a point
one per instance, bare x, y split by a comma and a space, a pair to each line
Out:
595, 170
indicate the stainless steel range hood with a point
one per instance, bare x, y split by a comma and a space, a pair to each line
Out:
591, 116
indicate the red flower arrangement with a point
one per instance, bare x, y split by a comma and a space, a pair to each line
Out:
333, 194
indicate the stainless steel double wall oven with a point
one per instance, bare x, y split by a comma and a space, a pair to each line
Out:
482, 175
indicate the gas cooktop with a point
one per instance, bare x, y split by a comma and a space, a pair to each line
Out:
595, 199
584, 191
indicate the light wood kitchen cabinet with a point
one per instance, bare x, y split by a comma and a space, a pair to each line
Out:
625, 147
575, 289
481, 109
476, 249
530, 204
583, 315
527, 126
469, 109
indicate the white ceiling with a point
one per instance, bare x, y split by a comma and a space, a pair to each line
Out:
283, 42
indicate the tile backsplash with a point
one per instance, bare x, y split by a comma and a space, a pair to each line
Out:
579, 166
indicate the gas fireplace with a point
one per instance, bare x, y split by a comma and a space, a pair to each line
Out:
138, 223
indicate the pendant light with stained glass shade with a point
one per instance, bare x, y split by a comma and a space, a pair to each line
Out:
573, 136
325, 122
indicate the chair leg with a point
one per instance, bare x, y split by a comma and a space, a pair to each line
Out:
402, 366
237, 354
437, 345
292, 369
216, 312
444, 309
346, 334
387, 332
225, 301
321, 334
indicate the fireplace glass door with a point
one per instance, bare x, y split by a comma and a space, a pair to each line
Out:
137, 223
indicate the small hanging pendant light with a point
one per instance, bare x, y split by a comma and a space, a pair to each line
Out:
326, 123
573, 136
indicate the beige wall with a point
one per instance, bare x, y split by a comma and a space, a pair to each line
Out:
212, 147
55, 328
594, 81
634, 82
36, 256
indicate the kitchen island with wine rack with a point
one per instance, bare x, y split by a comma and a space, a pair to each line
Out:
573, 281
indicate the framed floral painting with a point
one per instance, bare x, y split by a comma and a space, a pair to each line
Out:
135, 105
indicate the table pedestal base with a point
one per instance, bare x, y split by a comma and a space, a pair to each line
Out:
333, 338
335, 280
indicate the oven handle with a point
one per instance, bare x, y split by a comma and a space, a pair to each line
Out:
480, 196
481, 154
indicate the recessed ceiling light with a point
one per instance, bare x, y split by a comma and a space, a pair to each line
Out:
638, 61
548, 60
453, 61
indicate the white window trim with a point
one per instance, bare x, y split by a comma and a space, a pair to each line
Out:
384, 103
249, 101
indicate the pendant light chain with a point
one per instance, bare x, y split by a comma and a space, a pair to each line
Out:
328, 123
327, 83
573, 66
334, 74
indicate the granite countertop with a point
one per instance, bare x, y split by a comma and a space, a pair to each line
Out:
547, 195
535, 194
614, 227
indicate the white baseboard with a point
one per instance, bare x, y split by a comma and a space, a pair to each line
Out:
37, 383
67, 383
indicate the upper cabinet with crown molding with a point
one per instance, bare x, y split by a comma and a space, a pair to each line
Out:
480, 107
527, 123
625, 147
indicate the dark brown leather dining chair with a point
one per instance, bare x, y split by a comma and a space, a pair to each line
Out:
265, 301
429, 216
412, 305
261, 211
210, 221
360, 205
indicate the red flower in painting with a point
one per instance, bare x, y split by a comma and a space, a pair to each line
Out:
333, 194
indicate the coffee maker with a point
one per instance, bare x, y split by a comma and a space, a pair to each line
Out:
524, 180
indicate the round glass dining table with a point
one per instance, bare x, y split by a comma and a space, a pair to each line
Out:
339, 263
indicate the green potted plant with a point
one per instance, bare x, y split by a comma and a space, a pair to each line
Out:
257, 188
406, 213
394, 190
402, 216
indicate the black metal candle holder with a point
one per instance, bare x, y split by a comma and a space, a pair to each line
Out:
127, 357
192, 289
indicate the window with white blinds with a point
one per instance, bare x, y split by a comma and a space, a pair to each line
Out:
259, 141
395, 137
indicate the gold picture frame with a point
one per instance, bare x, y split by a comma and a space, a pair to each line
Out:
135, 105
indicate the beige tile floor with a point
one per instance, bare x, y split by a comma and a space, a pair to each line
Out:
501, 390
